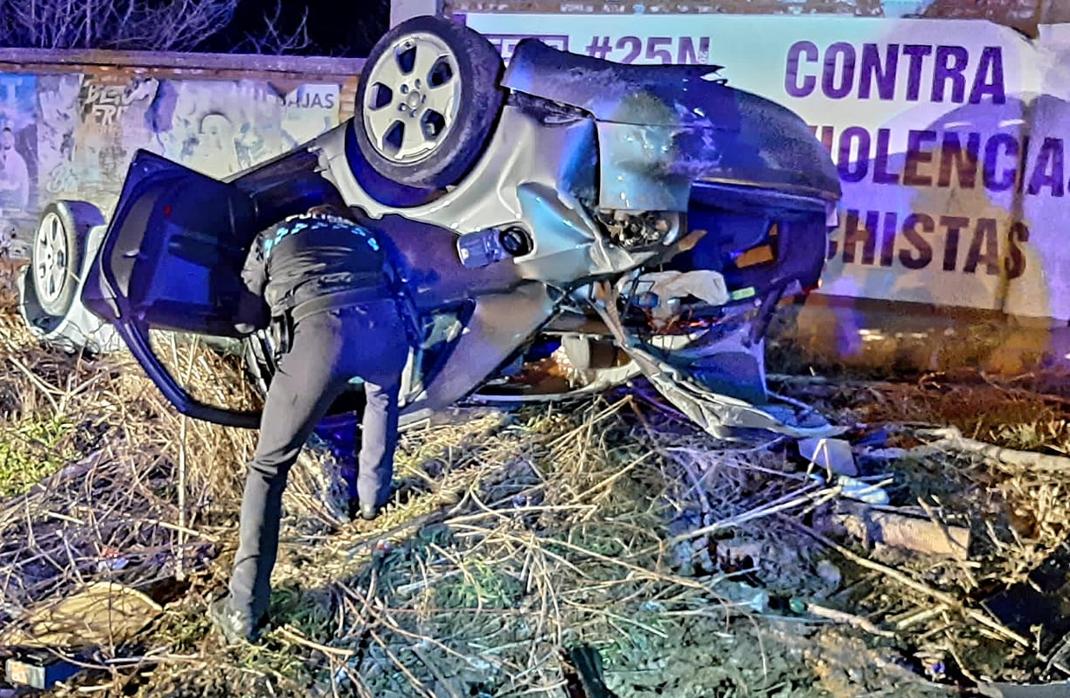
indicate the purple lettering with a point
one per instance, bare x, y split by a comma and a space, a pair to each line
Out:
950, 63
800, 51
881, 175
988, 80
954, 226
656, 48
866, 235
963, 161
917, 53
922, 254
1016, 261
891, 221
985, 235
1004, 179
1049, 158
846, 74
873, 71
687, 55
917, 156
634, 46
853, 171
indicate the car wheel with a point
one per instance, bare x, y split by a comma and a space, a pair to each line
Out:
56, 255
427, 102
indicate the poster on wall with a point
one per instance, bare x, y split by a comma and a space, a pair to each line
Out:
217, 127
90, 126
18, 144
220, 127
310, 109
945, 134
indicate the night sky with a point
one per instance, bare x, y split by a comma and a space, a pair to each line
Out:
336, 27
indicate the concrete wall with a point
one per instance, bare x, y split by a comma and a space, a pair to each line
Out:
70, 121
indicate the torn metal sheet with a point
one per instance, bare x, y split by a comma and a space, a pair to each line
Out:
660, 128
715, 413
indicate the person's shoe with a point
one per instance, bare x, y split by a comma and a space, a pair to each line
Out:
233, 625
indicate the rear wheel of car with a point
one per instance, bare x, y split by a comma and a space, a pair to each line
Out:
56, 254
427, 102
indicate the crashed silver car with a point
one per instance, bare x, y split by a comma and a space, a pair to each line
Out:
564, 225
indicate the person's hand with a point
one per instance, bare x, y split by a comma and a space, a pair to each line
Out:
252, 314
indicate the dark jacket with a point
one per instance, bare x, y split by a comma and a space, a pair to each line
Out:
309, 256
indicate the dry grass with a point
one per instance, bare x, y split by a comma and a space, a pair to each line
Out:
106, 506
684, 560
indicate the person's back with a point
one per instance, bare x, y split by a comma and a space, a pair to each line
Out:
312, 256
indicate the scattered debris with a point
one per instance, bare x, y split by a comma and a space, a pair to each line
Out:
670, 287
41, 671
863, 491
687, 563
951, 438
744, 596
1007, 690
830, 574
831, 455
887, 526
101, 613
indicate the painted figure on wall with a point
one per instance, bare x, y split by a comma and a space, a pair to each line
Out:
14, 174
18, 143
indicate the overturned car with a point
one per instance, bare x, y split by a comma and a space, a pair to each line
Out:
563, 226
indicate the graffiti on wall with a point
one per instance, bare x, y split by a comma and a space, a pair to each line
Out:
104, 103
57, 97
216, 128
88, 127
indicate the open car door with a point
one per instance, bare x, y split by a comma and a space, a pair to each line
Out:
171, 260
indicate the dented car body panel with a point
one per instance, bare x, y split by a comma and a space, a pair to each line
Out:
661, 128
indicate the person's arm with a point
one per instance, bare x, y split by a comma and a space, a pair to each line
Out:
254, 272
252, 312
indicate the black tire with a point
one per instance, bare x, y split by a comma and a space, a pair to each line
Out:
55, 274
479, 98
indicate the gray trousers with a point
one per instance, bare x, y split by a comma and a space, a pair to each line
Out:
328, 350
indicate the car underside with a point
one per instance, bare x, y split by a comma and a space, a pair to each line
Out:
556, 239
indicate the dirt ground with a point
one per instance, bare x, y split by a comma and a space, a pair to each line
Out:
695, 567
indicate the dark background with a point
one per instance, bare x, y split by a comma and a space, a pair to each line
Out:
304, 27
335, 27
